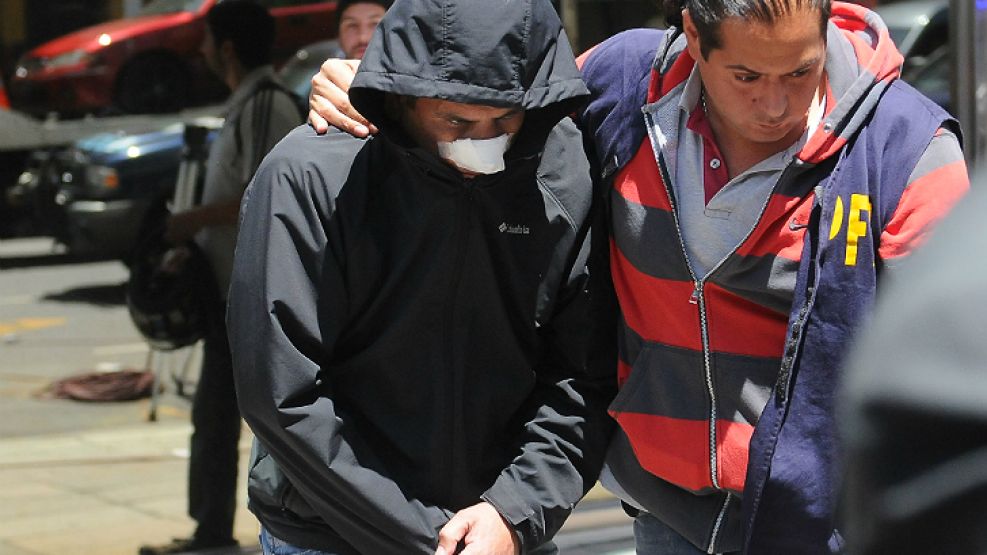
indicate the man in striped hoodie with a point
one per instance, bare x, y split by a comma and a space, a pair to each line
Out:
761, 166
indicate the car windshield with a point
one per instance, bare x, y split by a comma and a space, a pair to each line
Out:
157, 7
297, 76
297, 72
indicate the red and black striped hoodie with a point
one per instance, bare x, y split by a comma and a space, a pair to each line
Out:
700, 357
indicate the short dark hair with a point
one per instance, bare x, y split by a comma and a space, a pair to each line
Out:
708, 14
343, 5
246, 24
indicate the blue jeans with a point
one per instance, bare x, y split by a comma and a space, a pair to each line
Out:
654, 537
275, 546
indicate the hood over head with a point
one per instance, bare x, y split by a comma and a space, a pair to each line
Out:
505, 53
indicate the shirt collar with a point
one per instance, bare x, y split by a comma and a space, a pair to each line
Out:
689, 99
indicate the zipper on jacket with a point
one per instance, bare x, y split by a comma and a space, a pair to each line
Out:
708, 374
716, 525
697, 299
456, 398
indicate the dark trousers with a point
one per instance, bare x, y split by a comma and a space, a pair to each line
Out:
215, 437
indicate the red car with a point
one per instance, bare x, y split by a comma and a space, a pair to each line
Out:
4, 102
147, 64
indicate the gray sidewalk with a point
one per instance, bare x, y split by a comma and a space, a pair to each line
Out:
98, 478
107, 492
103, 492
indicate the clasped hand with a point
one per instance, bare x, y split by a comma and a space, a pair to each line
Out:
480, 530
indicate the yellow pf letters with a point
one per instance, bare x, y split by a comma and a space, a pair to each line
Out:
856, 228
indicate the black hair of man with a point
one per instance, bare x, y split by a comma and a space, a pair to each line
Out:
708, 14
246, 24
343, 5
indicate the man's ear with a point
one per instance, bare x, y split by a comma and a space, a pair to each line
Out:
691, 35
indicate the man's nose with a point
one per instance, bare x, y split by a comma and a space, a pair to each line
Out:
774, 101
485, 130
367, 32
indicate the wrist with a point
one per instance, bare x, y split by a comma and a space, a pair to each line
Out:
517, 538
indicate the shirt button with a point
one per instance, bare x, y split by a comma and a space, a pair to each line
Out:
714, 163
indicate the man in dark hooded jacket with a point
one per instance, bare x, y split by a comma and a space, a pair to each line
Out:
409, 314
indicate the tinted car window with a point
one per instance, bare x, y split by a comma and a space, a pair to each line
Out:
935, 35
933, 77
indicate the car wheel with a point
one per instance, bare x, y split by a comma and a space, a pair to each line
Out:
152, 85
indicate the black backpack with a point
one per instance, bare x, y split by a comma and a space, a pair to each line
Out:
261, 114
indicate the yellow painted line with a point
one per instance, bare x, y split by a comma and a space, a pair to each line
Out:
168, 410
30, 324
40, 323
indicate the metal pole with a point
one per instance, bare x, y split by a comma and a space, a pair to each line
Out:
968, 24
570, 20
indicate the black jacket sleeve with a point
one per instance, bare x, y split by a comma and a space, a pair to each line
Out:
286, 311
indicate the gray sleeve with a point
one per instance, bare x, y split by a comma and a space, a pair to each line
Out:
287, 307
935, 185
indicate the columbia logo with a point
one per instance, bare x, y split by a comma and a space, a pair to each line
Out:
516, 229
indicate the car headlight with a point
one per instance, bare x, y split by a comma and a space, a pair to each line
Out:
102, 180
28, 178
73, 58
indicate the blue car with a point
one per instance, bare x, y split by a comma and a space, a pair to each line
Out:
107, 182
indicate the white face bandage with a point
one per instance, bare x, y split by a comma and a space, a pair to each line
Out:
484, 156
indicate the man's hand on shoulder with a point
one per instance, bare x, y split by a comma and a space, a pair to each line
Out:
329, 101
481, 530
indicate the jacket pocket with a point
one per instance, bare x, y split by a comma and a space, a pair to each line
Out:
266, 484
269, 486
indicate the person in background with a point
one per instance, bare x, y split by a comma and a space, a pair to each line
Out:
410, 314
357, 21
762, 167
260, 111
